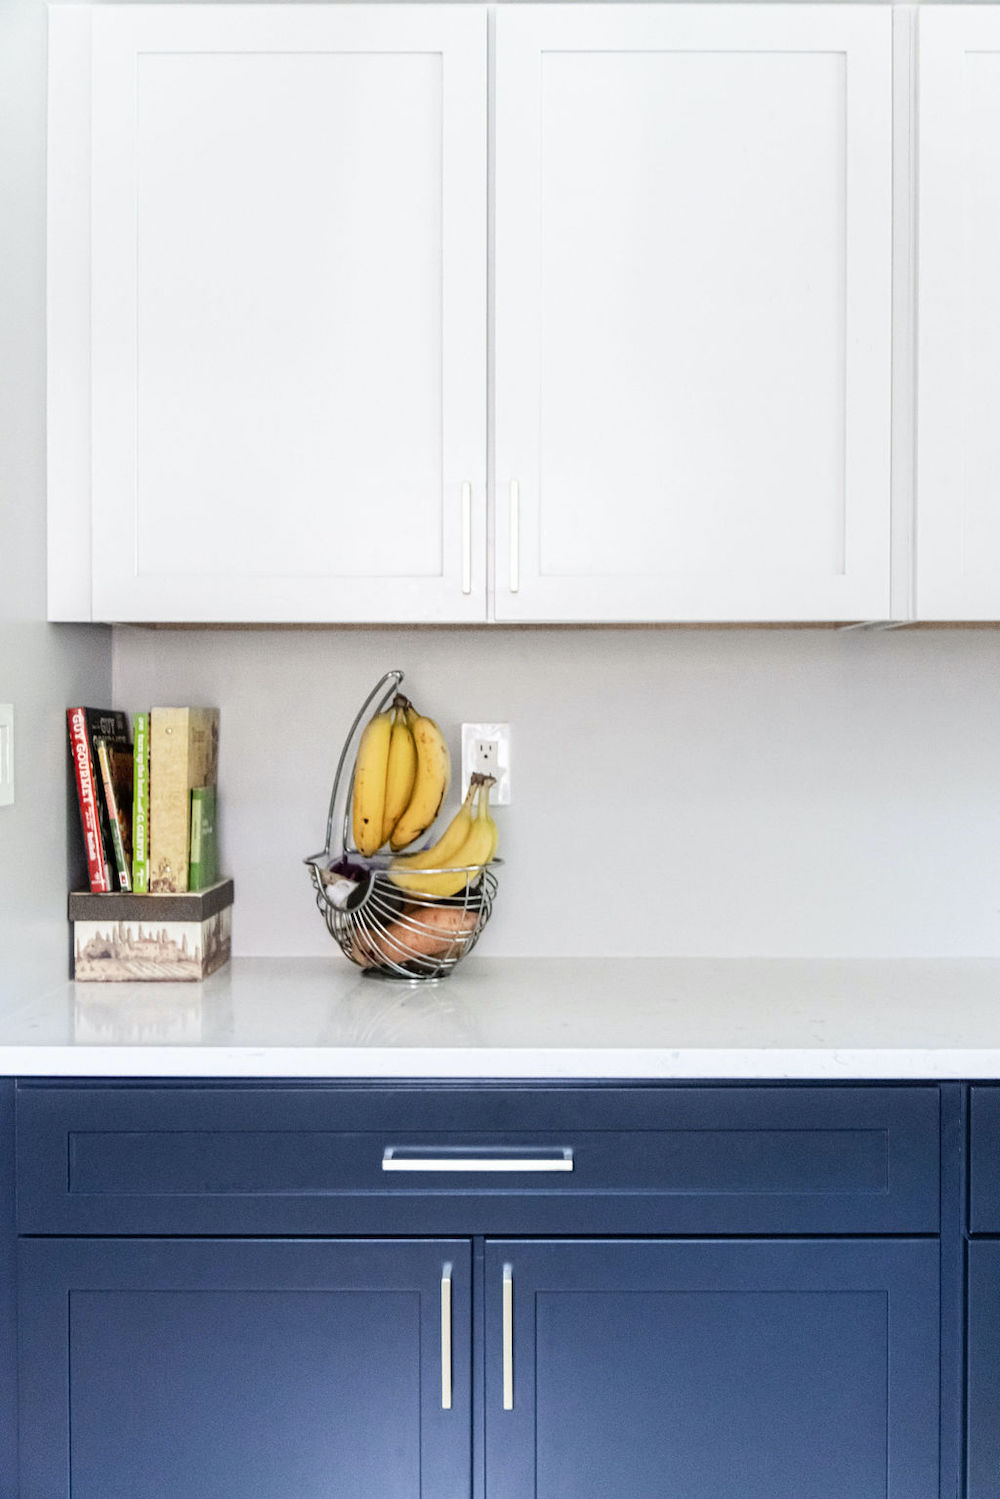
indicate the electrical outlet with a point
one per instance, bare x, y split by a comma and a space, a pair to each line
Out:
486, 748
484, 756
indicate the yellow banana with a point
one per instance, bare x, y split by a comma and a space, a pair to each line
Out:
368, 805
483, 850
478, 848
431, 783
403, 869
401, 769
475, 851
484, 808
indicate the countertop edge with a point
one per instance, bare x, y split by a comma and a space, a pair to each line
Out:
760, 1064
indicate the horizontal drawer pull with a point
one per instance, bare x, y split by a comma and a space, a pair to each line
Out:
403, 1158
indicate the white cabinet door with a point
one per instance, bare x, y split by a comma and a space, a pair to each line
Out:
693, 241
958, 314
288, 310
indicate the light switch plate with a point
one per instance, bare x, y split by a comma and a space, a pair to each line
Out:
6, 754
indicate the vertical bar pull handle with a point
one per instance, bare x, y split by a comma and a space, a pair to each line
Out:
508, 1338
515, 536
446, 1338
466, 537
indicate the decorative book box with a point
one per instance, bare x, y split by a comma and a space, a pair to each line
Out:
120, 938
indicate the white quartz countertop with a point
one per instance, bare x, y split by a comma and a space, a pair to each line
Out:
523, 1017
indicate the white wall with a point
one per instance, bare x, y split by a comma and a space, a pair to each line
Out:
721, 792
43, 668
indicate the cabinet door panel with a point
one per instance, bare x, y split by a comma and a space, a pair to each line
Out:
288, 321
958, 320
206, 1369
693, 241
983, 1444
726, 1370
8, 1312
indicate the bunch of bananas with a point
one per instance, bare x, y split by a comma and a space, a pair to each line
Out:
401, 777
455, 860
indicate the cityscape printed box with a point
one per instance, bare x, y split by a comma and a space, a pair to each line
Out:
166, 938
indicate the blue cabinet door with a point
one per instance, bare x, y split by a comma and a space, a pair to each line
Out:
8, 1322
983, 1441
213, 1369
804, 1369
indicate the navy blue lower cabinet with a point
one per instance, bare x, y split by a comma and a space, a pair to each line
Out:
8, 1281
804, 1369
245, 1369
983, 1440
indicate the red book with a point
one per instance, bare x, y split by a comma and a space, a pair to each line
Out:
86, 792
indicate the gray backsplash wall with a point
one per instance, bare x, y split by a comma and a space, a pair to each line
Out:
704, 792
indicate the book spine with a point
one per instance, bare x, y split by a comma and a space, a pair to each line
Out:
97, 871
140, 807
204, 861
114, 822
100, 804
169, 800
183, 752
195, 860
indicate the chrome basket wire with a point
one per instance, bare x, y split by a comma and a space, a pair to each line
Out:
387, 931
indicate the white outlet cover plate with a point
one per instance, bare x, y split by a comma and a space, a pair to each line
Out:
471, 735
6, 754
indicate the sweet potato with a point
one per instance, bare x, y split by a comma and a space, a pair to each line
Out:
421, 932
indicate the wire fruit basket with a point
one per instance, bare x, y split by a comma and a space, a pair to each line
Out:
389, 932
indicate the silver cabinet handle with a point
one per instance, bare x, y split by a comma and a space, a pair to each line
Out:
466, 537
515, 536
508, 1337
409, 1158
446, 1338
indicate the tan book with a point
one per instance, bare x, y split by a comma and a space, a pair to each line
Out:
183, 753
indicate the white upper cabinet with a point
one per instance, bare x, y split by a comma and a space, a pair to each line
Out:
958, 314
268, 312
693, 295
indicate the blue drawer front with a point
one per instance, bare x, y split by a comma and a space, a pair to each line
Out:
230, 1158
984, 1160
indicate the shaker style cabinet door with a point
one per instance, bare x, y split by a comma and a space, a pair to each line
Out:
734, 1369
958, 314
283, 209
983, 1414
693, 237
206, 1369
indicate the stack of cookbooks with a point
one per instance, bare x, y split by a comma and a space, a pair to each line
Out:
147, 798
147, 807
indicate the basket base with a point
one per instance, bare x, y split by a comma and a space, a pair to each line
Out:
405, 980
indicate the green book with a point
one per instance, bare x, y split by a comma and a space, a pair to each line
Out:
203, 867
140, 806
